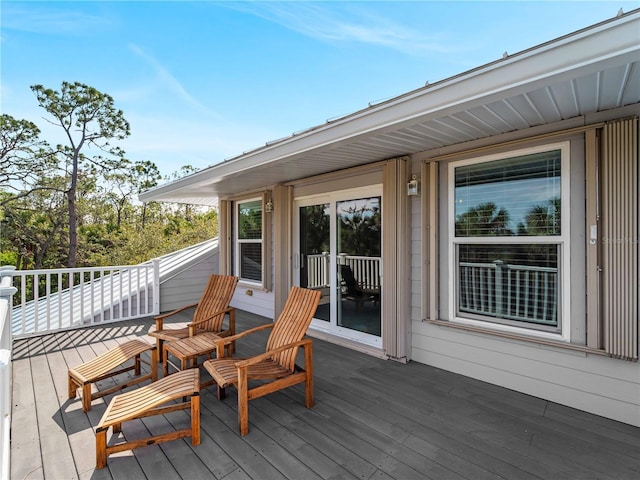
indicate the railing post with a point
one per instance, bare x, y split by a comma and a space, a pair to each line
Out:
156, 286
499, 305
7, 291
326, 269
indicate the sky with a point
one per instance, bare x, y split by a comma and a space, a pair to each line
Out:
201, 82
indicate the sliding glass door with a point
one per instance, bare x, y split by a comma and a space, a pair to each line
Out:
339, 252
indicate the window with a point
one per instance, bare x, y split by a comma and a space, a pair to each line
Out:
248, 235
509, 240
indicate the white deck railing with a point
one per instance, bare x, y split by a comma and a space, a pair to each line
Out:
514, 292
56, 299
6, 296
365, 269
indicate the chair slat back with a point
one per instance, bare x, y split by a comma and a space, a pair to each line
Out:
216, 297
293, 322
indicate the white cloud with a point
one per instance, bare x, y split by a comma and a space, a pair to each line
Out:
171, 83
40, 18
341, 25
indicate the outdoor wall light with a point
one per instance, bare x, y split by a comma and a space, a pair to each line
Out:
413, 187
268, 207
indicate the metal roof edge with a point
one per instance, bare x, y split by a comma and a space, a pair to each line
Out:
251, 158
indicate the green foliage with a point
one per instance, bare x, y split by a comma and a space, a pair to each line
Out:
359, 227
88, 118
315, 221
485, 220
38, 184
250, 220
542, 219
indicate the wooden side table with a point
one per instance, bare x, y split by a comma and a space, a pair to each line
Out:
188, 350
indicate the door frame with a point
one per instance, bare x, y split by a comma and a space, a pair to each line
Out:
331, 197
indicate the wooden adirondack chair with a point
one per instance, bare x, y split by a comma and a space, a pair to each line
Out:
208, 315
276, 366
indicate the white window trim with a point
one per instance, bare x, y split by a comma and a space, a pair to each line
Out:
237, 242
563, 240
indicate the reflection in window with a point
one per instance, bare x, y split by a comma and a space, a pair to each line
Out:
359, 227
517, 196
507, 240
249, 240
513, 282
250, 220
251, 261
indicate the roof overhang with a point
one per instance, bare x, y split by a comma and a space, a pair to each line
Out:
588, 71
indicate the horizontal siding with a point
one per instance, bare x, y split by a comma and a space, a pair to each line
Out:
187, 286
259, 302
593, 383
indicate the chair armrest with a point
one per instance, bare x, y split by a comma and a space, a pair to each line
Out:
160, 318
227, 340
264, 356
193, 325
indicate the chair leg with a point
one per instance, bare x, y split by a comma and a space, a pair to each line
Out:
243, 402
154, 364
165, 363
195, 419
73, 386
136, 363
101, 447
308, 384
159, 343
222, 393
86, 397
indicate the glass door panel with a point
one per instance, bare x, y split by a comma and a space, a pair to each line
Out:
338, 251
358, 246
315, 224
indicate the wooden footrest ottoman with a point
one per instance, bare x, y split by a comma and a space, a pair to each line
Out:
102, 367
145, 402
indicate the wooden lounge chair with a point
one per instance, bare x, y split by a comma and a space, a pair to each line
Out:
355, 291
276, 366
147, 401
208, 315
103, 367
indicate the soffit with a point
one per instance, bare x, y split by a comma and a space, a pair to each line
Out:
590, 71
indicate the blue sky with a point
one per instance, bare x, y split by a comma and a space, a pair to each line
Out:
203, 81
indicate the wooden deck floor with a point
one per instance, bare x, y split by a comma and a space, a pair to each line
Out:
373, 419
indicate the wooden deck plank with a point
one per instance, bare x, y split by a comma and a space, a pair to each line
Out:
407, 427
310, 462
278, 462
293, 420
423, 420
57, 457
74, 421
373, 419
26, 461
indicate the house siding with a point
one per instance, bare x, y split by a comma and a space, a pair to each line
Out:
186, 286
591, 382
253, 300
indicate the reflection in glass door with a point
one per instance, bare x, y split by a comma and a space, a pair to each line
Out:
314, 254
359, 242
339, 253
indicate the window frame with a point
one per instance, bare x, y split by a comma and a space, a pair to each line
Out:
563, 241
237, 242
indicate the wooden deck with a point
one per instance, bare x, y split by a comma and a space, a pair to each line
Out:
373, 419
